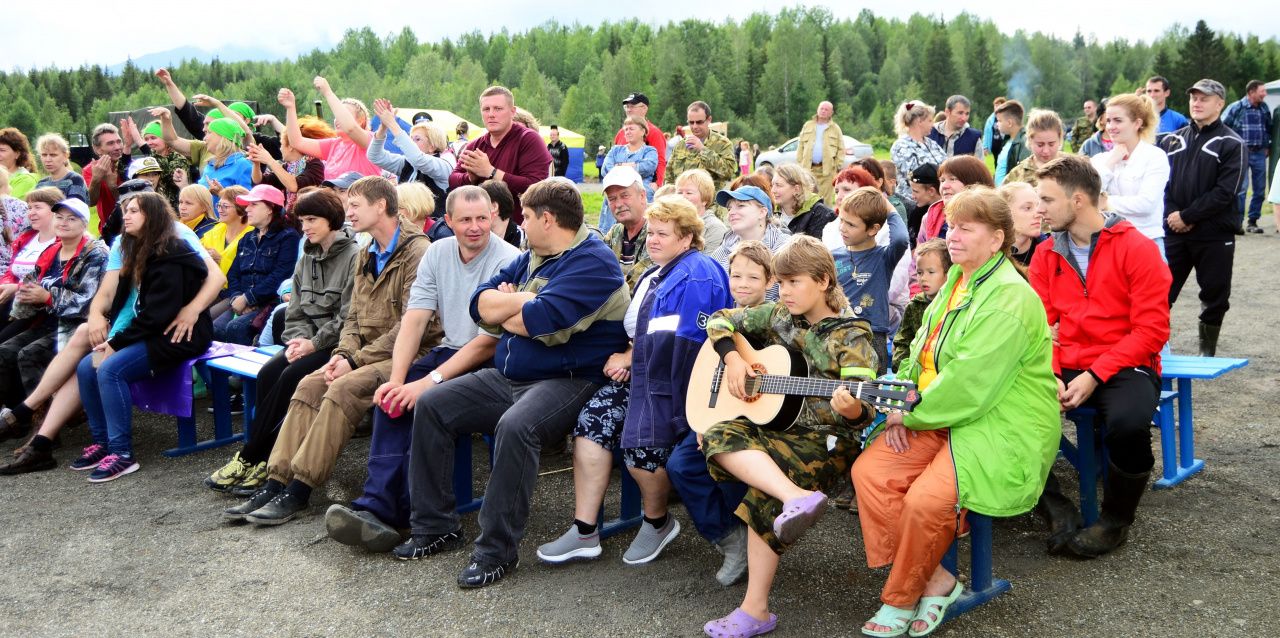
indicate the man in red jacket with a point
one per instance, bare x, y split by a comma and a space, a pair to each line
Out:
1105, 286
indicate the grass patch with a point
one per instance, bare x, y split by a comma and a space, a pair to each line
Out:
591, 203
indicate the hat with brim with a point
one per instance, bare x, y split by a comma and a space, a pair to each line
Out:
1208, 87
262, 193
343, 181
74, 205
744, 194
131, 188
228, 129
143, 166
926, 174
625, 176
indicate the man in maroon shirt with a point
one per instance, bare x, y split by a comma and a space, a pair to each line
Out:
105, 173
509, 153
637, 104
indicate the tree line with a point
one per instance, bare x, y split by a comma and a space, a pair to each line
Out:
763, 75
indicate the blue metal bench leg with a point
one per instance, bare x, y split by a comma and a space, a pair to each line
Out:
187, 438
1185, 464
462, 477
629, 514
983, 587
1087, 465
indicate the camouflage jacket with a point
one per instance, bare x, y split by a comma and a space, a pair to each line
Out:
911, 318
631, 272
836, 348
168, 164
716, 158
1025, 171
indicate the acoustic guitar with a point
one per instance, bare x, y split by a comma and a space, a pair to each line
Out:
776, 395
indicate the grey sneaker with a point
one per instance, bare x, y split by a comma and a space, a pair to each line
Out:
650, 541
734, 548
360, 529
572, 545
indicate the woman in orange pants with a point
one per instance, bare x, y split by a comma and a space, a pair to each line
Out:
986, 429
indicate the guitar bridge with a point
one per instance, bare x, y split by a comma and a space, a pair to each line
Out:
715, 385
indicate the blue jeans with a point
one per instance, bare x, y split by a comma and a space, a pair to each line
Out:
1255, 176
386, 490
238, 330
104, 391
711, 504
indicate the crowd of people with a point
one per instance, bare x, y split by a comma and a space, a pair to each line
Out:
459, 289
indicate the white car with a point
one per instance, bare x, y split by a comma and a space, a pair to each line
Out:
786, 154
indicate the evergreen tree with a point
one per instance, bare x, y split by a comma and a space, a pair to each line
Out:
939, 72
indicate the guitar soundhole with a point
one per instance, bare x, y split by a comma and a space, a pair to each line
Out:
753, 385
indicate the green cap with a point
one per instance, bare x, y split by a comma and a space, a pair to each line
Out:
214, 115
153, 129
227, 129
244, 111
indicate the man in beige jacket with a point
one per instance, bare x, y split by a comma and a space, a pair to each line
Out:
821, 149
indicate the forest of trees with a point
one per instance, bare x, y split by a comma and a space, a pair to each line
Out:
764, 74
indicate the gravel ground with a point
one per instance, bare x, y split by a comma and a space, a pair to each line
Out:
148, 555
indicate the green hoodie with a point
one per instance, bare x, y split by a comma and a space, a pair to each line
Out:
995, 388
321, 292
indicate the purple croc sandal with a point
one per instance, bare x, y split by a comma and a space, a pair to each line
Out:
739, 624
798, 515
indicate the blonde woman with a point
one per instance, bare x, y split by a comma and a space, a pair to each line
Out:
223, 240
1135, 171
913, 149
195, 209
55, 159
1044, 137
799, 208
416, 203
696, 186
423, 150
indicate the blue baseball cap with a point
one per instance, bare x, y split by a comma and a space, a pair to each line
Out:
745, 194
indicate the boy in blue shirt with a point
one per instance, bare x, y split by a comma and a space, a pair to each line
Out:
865, 269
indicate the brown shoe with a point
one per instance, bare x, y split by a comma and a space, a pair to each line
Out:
30, 460
10, 428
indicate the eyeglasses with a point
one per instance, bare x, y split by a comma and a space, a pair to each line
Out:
697, 122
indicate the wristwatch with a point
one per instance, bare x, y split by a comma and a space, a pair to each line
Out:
493, 173
436, 377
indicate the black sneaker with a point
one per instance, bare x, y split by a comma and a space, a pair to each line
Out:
1253, 228
255, 502
423, 545
278, 511
479, 574
360, 529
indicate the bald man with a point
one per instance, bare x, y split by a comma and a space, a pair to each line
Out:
821, 149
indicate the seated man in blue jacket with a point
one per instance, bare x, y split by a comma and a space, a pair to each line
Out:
558, 311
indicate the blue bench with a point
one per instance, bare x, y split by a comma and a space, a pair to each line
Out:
983, 587
1181, 465
629, 515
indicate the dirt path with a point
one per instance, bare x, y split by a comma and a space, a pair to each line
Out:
147, 555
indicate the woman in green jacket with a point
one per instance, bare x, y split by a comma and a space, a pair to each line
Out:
985, 432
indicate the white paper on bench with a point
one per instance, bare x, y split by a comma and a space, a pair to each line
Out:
256, 357
238, 366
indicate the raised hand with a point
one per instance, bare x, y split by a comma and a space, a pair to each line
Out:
382, 108
200, 99
180, 180
286, 99
258, 154
164, 76
322, 85
161, 113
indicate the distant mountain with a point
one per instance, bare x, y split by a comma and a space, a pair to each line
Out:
225, 54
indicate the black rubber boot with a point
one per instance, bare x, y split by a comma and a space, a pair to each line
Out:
1060, 514
1120, 499
1208, 339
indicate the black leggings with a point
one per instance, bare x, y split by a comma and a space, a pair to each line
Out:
1126, 404
276, 383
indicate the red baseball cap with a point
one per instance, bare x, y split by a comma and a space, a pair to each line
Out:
262, 193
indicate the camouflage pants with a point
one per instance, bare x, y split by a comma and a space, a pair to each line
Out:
812, 460
23, 359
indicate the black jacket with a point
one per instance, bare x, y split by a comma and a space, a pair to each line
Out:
169, 282
1206, 165
812, 221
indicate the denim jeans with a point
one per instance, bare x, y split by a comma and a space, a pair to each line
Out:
104, 391
238, 330
1256, 177
522, 417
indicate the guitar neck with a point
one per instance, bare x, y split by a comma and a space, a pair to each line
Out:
808, 386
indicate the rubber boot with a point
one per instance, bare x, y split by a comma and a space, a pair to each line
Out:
1208, 339
1060, 514
1120, 498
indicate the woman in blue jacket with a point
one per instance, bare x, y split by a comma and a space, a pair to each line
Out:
666, 319
266, 257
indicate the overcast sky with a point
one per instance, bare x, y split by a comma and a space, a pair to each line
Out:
70, 33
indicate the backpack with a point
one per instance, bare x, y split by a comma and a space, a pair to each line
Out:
409, 173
